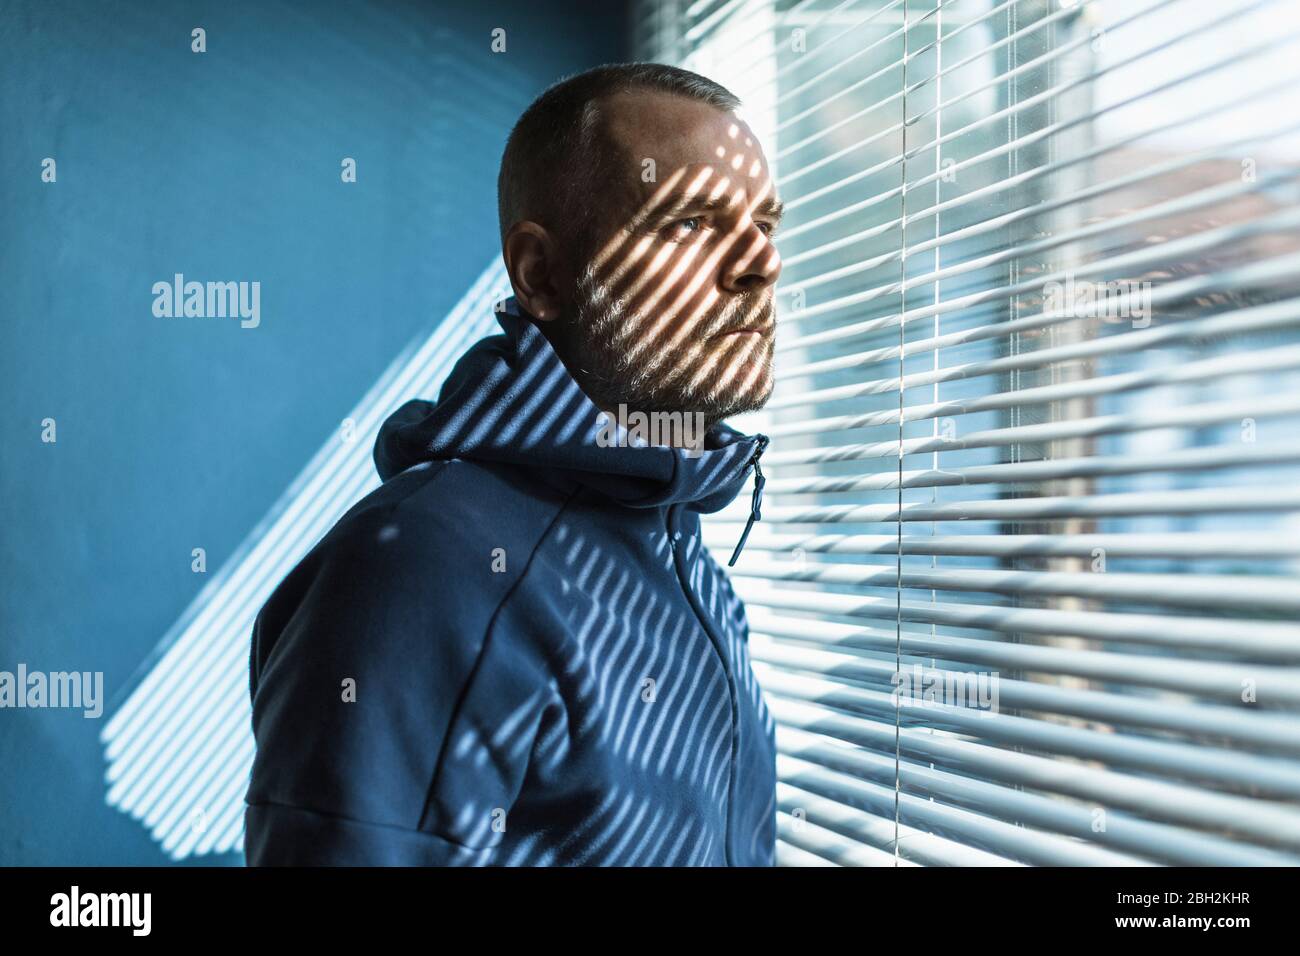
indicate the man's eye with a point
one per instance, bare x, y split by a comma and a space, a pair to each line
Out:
767, 227
687, 226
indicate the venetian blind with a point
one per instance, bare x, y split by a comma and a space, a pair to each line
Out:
1025, 586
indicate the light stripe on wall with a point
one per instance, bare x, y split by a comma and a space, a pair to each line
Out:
180, 747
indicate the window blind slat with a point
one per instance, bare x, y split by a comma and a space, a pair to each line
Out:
1205, 370
1247, 639
1277, 595
1184, 762
1190, 459
721, 534
792, 641
1190, 416
1281, 269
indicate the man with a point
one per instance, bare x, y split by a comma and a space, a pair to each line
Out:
516, 651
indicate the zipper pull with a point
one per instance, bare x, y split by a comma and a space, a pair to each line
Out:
756, 503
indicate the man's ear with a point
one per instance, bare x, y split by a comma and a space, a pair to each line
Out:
537, 269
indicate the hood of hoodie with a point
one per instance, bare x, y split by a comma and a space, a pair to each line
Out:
510, 399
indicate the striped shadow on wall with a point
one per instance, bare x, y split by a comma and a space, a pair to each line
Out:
180, 748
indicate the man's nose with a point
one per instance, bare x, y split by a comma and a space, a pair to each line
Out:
752, 262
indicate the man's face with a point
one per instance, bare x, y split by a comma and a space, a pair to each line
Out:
674, 309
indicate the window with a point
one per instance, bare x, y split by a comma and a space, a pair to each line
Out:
1025, 589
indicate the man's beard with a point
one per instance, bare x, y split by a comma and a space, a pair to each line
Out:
621, 357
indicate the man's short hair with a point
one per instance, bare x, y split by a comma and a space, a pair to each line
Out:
556, 158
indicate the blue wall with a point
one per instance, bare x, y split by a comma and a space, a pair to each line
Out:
179, 433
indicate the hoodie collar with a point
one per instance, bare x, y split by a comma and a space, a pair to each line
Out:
510, 399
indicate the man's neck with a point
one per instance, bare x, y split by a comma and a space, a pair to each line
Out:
684, 430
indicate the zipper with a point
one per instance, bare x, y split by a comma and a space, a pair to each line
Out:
756, 502
716, 639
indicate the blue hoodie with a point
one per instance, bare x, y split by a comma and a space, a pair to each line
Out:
516, 650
